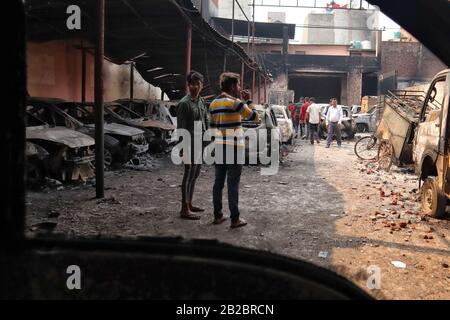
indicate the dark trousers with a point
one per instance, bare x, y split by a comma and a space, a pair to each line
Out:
296, 127
313, 132
232, 172
334, 130
191, 173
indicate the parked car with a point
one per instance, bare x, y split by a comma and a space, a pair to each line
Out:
366, 122
156, 110
157, 133
70, 152
348, 128
356, 109
284, 122
122, 143
268, 121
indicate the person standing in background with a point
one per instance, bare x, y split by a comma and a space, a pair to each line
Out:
303, 122
313, 115
190, 109
334, 120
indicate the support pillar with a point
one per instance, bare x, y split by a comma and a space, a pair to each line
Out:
354, 87
98, 92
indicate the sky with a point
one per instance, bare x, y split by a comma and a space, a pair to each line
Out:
298, 15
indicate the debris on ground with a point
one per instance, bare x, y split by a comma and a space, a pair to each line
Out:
399, 264
111, 200
144, 162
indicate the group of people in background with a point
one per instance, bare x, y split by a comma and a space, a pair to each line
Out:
307, 116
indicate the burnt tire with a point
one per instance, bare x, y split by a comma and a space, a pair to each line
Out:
35, 174
433, 200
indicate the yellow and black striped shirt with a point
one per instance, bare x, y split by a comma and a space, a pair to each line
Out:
226, 114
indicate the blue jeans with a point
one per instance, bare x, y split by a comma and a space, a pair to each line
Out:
233, 174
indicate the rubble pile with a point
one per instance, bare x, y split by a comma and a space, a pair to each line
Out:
145, 162
398, 194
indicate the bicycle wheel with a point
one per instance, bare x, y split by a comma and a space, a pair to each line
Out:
366, 148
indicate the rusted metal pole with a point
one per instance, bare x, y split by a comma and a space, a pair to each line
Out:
188, 52
232, 23
253, 32
83, 75
131, 80
98, 89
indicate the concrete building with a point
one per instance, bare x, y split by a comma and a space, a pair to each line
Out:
345, 26
411, 61
226, 9
323, 71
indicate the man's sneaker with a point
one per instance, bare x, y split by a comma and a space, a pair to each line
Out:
327, 146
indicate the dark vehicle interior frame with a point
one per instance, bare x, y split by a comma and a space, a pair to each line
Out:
159, 268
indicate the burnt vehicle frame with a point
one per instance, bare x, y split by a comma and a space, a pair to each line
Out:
122, 143
18, 251
70, 153
154, 131
155, 111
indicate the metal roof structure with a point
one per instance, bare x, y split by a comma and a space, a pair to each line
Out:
151, 34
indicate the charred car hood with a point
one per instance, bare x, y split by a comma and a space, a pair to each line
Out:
119, 129
61, 135
151, 124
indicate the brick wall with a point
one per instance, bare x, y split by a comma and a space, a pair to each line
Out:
410, 59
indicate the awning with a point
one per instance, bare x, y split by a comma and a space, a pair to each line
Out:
150, 33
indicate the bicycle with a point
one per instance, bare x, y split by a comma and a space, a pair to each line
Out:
366, 148
371, 149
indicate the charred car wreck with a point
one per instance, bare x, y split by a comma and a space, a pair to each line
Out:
57, 151
151, 115
122, 143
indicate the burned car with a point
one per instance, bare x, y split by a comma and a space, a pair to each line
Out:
284, 123
348, 128
156, 132
122, 143
70, 152
366, 122
156, 110
267, 121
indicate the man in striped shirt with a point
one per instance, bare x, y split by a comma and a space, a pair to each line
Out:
226, 114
